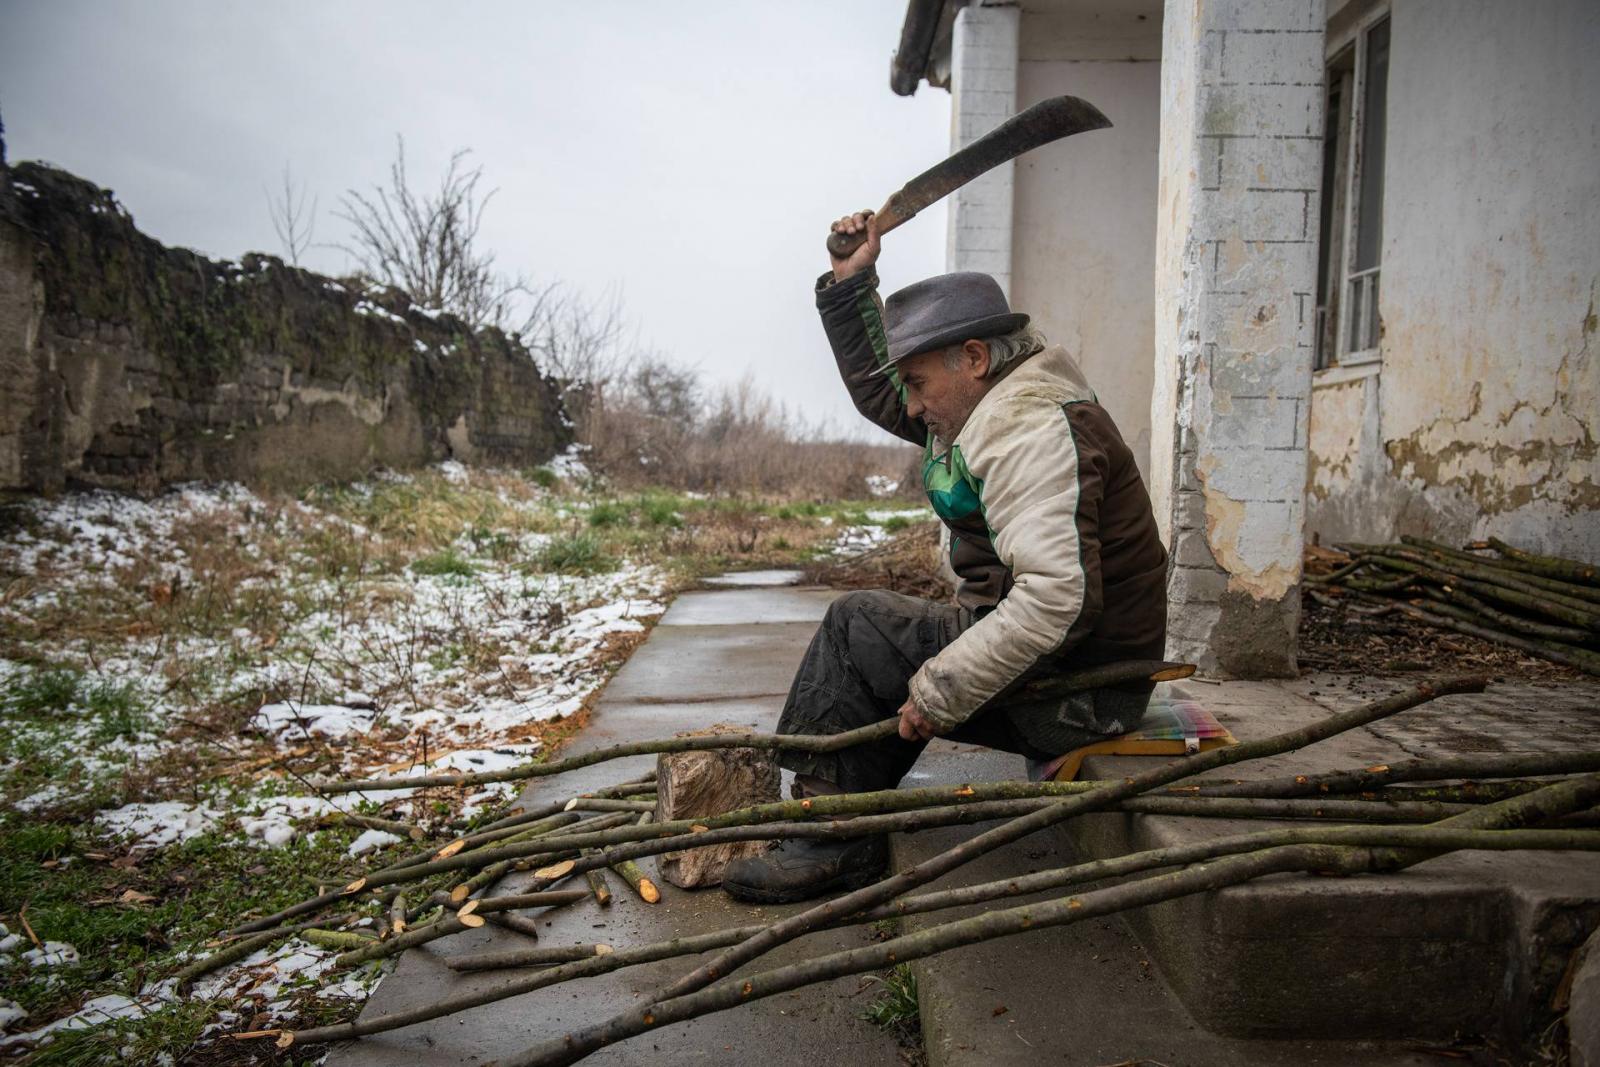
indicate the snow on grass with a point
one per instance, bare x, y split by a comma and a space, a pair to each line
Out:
176, 666
158, 824
323, 720
371, 840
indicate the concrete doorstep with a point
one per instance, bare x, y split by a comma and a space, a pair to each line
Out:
1299, 969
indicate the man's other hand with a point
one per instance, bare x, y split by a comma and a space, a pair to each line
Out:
863, 257
913, 727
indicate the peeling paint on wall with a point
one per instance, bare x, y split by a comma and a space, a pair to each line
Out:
1483, 419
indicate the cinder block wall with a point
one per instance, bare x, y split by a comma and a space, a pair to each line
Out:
126, 364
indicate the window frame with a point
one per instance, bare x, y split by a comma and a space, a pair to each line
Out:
1354, 36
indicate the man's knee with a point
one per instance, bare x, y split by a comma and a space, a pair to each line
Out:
878, 602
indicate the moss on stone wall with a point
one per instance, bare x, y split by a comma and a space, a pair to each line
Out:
216, 350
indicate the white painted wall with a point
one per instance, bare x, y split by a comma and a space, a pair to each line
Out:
1483, 419
1083, 251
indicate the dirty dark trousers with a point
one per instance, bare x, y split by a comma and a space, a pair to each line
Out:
856, 672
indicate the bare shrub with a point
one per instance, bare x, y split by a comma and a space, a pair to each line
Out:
292, 221
650, 429
427, 244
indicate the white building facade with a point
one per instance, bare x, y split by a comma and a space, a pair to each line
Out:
1333, 270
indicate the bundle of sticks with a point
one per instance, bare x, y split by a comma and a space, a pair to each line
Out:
1372, 819
1543, 605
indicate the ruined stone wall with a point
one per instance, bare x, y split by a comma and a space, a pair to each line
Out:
1482, 417
126, 364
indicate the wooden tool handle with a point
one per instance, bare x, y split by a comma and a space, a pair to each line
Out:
886, 218
843, 245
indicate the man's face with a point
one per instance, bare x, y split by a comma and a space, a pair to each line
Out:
941, 396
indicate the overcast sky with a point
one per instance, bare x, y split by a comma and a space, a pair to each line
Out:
689, 155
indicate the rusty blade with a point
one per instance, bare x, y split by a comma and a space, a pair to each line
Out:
1046, 121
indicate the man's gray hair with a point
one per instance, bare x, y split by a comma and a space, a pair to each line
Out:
1005, 351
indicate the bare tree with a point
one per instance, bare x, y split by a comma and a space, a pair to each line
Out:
427, 243
291, 221
579, 340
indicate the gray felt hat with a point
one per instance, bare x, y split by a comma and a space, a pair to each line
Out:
945, 310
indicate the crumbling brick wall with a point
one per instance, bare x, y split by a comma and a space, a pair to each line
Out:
127, 364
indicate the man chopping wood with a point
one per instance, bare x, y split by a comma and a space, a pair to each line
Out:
1051, 537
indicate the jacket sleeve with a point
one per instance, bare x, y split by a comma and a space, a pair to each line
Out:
852, 315
1041, 486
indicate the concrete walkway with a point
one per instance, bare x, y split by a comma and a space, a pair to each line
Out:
723, 655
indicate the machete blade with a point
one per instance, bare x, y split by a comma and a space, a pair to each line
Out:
1046, 121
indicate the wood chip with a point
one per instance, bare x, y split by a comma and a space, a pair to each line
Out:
555, 870
451, 849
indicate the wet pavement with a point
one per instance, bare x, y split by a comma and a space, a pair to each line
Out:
717, 656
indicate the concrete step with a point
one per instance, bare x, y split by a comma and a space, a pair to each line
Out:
1474, 942
1290, 969
1085, 995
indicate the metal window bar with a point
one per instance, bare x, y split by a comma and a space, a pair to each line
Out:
1361, 299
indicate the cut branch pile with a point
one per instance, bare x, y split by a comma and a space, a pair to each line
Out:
1526, 802
1545, 606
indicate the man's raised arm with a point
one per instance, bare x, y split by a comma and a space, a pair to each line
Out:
852, 315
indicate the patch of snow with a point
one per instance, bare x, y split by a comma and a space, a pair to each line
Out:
50, 794
881, 485
157, 825
51, 954
371, 840
854, 540
328, 720
756, 579
97, 1012
272, 820
569, 465
10, 1012
453, 471
368, 308
909, 514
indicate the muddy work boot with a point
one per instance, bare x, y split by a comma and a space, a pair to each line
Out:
800, 870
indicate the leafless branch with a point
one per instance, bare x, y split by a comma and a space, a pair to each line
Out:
291, 221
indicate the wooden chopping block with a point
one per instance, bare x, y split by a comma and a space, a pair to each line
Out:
693, 785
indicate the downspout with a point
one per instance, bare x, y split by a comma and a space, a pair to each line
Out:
917, 32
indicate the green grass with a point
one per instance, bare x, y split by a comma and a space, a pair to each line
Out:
205, 885
116, 710
43, 692
895, 1006
896, 523
446, 563
581, 553
608, 513
661, 511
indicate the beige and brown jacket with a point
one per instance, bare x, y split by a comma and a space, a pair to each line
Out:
1052, 535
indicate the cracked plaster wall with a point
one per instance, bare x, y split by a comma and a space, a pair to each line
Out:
1483, 418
